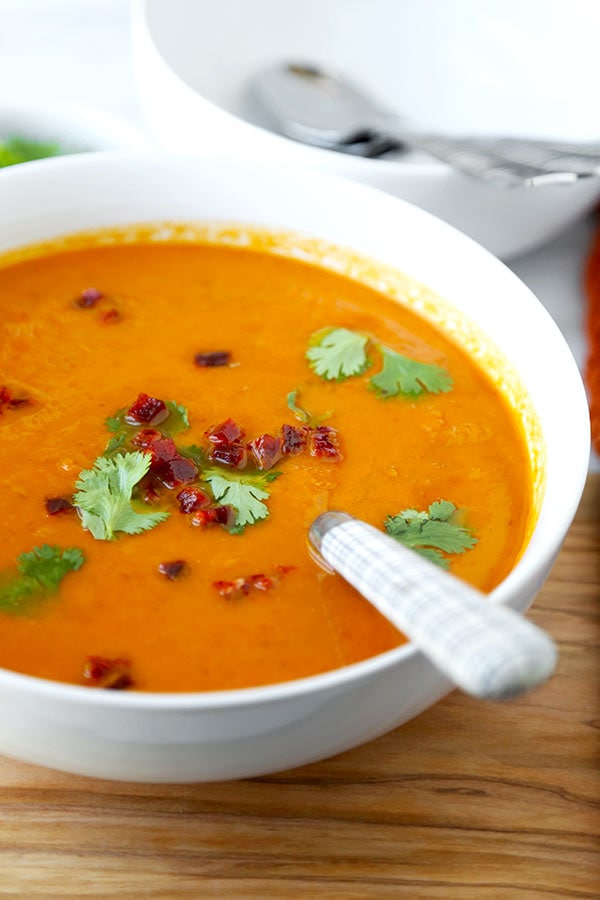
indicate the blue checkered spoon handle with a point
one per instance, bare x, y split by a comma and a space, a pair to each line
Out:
488, 650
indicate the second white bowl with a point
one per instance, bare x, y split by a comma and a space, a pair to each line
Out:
503, 67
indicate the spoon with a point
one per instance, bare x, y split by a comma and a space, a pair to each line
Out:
488, 650
308, 104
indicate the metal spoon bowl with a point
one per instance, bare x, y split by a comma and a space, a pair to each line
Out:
313, 106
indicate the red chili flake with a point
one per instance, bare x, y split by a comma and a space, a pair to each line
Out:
88, 298
224, 588
210, 360
172, 570
229, 588
325, 443
146, 437
258, 582
267, 450
216, 515
234, 455
261, 582
111, 674
192, 499
56, 505
110, 316
227, 432
8, 401
147, 411
294, 439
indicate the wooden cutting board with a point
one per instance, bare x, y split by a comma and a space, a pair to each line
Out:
469, 801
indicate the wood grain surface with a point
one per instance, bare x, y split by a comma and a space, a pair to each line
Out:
469, 801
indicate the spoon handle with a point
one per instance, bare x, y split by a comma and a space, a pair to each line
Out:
509, 162
487, 650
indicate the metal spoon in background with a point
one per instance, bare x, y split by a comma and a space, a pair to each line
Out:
307, 104
487, 650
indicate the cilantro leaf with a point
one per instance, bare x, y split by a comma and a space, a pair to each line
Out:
246, 493
104, 496
49, 565
433, 533
402, 375
121, 432
303, 415
337, 353
40, 573
115, 443
177, 420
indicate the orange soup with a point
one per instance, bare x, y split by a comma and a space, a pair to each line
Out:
173, 417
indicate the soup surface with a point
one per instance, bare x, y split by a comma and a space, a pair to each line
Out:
218, 589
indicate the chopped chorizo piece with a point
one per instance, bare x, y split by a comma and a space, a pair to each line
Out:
57, 505
146, 437
217, 515
266, 450
210, 360
192, 499
110, 674
173, 569
163, 449
180, 471
5, 397
110, 316
9, 401
233, 455
325, 443
227, 432
294, 439
146, 411
88, 298
149, 489
168, 464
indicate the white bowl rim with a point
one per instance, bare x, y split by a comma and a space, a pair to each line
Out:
310, 685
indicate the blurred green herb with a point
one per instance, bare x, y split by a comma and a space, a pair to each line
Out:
16, 149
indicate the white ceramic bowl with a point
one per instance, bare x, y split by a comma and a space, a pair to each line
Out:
231, 734
499, 67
